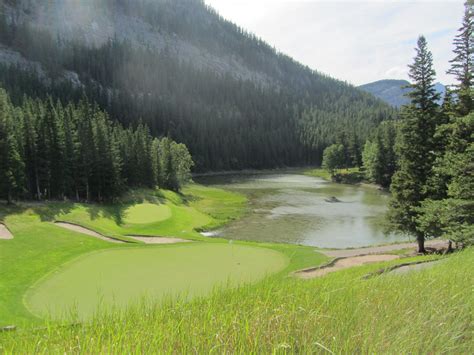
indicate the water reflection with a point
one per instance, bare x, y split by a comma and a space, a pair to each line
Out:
293, 208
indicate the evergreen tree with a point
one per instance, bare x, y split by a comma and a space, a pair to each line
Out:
354, 150
71, 153
453, 216
30, 148
415, 146
11, 164
379, 157
155, 162
462, 65
449, 211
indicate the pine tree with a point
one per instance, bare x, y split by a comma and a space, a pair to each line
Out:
379, 155
155, 161
55, 115
11, 164
453, 216
71, 153
462, 65
30, 147
415, 146
87, 149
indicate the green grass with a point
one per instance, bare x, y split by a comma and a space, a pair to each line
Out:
37, 248
428, 311
147, 213
223, 206
318, 172
162, 213
324, 174
122, 276
40, 247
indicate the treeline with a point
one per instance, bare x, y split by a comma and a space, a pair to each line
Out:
426, 157
51, 151
280, 114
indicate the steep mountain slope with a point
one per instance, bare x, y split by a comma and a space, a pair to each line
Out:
393, 91
179, 67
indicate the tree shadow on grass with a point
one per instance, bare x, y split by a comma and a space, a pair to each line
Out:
44, 209
48, 211
115, 212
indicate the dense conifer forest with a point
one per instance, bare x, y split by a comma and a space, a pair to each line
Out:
281, 114
51, 151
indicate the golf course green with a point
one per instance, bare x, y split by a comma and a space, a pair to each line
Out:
147, 213
119, 277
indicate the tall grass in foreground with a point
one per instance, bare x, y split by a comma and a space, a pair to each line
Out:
428, 311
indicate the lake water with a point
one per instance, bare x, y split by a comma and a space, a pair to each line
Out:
294, 208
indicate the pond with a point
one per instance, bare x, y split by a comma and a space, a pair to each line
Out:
298, 209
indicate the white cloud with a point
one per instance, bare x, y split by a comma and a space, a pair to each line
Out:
397, 73
357, 41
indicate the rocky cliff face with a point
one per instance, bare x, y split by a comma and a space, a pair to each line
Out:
94, 23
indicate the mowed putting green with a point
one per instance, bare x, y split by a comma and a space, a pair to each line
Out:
147, 213
119, 277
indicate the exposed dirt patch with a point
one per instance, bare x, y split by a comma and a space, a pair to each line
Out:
80, 229
344, 253
344, 263
159, 240
5, 233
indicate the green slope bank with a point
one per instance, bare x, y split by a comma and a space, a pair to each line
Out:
39, 247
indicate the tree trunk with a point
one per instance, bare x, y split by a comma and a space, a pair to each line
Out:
38, 190
9, 198
420, 238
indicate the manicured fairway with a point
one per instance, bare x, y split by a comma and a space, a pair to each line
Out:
120, 276
147, 213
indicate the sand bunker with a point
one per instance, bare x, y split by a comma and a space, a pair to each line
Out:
79, 229
344, 263
4, 232
159, 240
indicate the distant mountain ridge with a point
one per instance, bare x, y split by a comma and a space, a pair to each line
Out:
393, 91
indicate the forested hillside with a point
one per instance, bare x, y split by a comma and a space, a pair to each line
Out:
394, 92
186, 73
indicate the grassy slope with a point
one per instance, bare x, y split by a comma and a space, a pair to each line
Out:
40, 247
429, 311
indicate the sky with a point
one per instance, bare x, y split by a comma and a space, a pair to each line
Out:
355, 41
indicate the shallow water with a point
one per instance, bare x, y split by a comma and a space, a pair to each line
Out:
292, 208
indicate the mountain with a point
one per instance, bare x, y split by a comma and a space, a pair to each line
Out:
393, 91
187, 73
